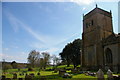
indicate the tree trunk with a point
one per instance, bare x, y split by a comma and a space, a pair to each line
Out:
75, 66
68, 65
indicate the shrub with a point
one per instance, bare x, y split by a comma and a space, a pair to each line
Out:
30, 69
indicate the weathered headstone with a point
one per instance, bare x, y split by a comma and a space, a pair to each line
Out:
116, 77
20, 78
28, 77
3, 77
110, 74
15, 76
8, 79
18, 69
20, 74
75, 71
26, 74
32, 74
38, 73
66, 75
100, 75
61, 72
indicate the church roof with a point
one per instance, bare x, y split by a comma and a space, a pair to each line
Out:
112, 39
98, 10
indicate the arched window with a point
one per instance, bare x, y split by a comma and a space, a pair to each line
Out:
108, 54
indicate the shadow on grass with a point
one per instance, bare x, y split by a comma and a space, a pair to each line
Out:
57, 77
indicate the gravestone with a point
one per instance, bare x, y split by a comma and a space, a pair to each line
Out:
110, 74
100, 75
3, 77
8, 79
75, 71
61, 72
20, 78
20, 74
15, 76
26, 74
32, 74
116, 77
38, 73
66, 75
28, 77
18, 69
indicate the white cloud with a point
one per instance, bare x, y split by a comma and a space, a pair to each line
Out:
52, 50
23, 53
35, 0
82, 2
14, 47
37, 45
10, 58
5, 49
106, 0
44, 40
16, 24
50, 43
83, 8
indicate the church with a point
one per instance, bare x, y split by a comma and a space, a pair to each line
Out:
101, 46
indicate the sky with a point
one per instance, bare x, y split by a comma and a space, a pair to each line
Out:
44, 26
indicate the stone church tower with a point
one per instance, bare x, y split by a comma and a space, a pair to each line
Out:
97, 26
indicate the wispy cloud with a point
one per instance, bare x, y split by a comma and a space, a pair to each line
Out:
38, 45
35, 0
5, 49
16, 24
48, 42
82, 2
88, 2
77, 1
55, 46
44, 40
9, 57
51, 50
45, 8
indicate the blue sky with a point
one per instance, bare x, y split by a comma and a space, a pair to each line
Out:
44, 26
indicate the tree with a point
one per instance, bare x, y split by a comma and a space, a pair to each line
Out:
71, 53
65, 54
76, 52
41, 61
5, 66
46, 59
14, 65
56, 60
33, 57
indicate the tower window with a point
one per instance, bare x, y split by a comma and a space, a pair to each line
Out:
86, 25
92, 22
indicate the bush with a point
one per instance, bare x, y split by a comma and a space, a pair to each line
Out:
6, 67
30, 69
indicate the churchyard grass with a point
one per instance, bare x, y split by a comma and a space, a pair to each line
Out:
46, 74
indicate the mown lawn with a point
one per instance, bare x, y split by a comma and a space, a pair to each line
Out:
48, 74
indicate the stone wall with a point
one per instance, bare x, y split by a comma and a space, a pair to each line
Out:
115, 55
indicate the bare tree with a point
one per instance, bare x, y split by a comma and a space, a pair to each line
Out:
33, 57
56, 60
46, 59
